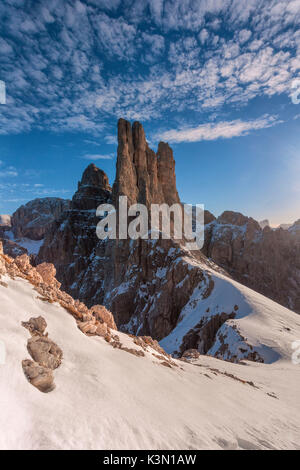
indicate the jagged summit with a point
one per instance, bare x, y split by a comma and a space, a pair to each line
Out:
93, 189
142, 175
94, 176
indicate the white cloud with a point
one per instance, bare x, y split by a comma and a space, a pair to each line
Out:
97, 156
244, 35
220, 130
8, 173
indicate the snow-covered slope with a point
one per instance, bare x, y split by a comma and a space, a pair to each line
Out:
233, 322
106, 398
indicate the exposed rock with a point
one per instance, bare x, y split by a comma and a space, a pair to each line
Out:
285, 226
46, 356
36, 326
208, 217
147, 283
104, 315
190, 354
23, 262
12, 248
5, 220
142, 175
34, 218
264, 223
71, 239
39, 376
202, 336
44, 351
265, 260
47, 272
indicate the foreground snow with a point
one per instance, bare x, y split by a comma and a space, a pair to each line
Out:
106, 398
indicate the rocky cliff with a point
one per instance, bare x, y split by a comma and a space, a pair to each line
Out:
70, 241
142, 175
148, 284
5, 220
265, 260
34, 218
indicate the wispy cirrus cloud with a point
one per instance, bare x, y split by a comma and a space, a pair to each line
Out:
220, 130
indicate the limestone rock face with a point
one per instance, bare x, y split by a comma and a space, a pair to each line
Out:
266, 260
143, 176
166, 173
264, 223
5, 225
34, 218
92, 189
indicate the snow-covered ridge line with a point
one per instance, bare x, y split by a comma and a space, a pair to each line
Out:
233, 322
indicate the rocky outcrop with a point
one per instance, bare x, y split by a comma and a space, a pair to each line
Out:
48, 289
148, 283
46, 355
44, 351
12, 248
142, 175
265, 260
5, 225
40, 377
72, 238
97, 321
34, 218
36, 326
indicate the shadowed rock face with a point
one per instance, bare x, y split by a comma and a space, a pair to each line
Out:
34, 218
85, 265
93, 189
266, 260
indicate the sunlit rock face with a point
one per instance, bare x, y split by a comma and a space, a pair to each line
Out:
142, 175
72, 238
147, 284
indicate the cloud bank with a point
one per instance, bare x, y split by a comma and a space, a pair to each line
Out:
74, 65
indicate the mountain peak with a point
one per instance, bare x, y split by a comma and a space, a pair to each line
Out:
94, 176
142, 175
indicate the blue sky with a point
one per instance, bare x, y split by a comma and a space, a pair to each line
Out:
214, 78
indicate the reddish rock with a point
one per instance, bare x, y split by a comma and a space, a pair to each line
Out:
104, 315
